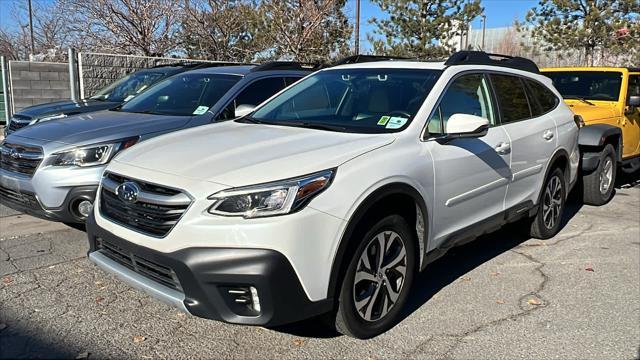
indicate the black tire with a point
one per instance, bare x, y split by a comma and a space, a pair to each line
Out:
351, 322
548, 219
595, 190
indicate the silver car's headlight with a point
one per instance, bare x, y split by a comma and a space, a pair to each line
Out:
276, 198
91, 155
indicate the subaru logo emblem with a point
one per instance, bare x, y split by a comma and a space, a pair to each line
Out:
14, 154
128, 192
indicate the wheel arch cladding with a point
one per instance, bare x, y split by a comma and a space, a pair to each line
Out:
593, 137
559, 160
394, 198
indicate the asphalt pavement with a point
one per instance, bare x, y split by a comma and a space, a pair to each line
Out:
504, 296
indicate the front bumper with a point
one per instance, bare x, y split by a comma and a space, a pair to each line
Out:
54, 189
28, 203
200, 278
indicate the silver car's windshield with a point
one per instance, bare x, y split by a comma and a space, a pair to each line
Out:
182, 95
351, 100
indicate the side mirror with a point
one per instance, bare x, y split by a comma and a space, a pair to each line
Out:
244, 109
465, 126
633, 103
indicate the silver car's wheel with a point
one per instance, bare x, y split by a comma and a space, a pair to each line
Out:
380, 276
552, 202
606, 176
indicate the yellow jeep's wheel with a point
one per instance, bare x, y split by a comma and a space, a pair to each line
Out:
598, 185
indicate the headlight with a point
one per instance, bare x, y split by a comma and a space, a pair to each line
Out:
47, 118
276, 198
91, 155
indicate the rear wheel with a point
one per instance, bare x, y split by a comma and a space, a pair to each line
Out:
377, 280
547, 221
598, 185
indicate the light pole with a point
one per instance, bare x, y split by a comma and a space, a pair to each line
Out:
357, 29
31, 30
484, 29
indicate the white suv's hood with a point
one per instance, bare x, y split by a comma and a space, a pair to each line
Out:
235, 154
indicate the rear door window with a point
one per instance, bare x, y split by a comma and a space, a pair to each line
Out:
512, 98
543, 97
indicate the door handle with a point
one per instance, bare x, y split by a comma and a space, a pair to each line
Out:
503, 148
548, 135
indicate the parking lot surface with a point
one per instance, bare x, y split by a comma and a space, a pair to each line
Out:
503, 296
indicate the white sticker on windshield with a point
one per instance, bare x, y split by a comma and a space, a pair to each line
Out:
201, 110
128, 98
396, 122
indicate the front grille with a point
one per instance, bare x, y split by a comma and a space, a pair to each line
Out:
156, 211
150, 269
17, 122
26, 199
20, 158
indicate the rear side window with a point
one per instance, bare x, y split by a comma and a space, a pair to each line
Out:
291, 80
543, 97
634, 85
512, 98
260, 91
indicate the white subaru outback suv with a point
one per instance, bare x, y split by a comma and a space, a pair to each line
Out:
330, 196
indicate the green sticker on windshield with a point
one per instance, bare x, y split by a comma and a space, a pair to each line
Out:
201, 110
383, 120
396, 122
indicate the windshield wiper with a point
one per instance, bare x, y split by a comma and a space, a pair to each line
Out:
309, 125
317, 126
249, 120
573, 97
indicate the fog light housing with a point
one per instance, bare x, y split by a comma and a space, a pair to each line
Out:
242, 300
84, 208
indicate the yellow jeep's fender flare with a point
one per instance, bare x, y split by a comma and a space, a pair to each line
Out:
593, 138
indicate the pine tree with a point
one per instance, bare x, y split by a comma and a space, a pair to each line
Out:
421, 28
597, 28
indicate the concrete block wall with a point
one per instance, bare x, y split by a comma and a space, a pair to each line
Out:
35, 83
99, 70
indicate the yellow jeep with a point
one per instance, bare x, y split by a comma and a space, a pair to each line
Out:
607, 100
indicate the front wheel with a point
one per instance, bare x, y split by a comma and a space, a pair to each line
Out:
546, 223
598, 185
377, 280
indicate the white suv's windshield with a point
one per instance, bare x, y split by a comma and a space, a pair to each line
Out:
351, 100
182, 95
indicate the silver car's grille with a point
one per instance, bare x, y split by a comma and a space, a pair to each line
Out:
23, 198
17, 122
153, 270
142, 206
20, 158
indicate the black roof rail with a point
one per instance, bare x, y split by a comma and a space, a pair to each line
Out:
198, 65
483, 58
287, 65
358, 59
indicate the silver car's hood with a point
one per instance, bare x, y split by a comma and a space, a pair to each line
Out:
98, 127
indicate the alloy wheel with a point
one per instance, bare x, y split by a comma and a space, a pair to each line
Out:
606, 176
380, 276
552, 204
